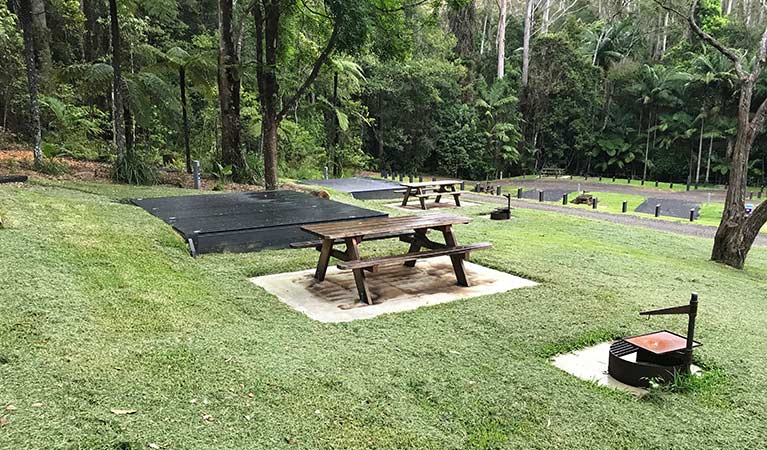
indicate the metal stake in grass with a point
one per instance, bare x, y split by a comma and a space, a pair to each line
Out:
595, 203
564, 199
498, 190
671, 185
625, 206
657, 210
656, 183
519, 192
692, 215
540, 196
196, 172
613, 178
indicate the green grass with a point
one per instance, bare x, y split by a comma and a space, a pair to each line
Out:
103, 309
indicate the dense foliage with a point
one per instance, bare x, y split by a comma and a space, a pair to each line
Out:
615, 88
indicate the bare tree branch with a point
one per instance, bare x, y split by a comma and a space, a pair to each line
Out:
726, 51
321, 59
760, 58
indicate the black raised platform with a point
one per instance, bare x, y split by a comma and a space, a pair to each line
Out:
247, 222
362, 188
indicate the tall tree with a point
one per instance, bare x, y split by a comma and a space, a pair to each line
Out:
527, 32
229, 92
737, 230
23, 13
501, 69
118, 104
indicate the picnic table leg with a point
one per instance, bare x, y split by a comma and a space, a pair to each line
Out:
458, 268
456, 197
407, 197
353, 253
439, 197
415, 246
423, 200
322, 265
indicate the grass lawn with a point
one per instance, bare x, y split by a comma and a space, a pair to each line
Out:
102, 309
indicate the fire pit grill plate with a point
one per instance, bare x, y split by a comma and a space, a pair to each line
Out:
660, 342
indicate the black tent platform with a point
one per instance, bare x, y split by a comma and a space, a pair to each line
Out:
362, 188
247, 222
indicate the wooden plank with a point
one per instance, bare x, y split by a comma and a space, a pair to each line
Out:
431, 183
441, 193
371, 237
361, 228
401, 259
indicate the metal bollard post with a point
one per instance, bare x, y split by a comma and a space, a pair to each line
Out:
657, 210
196, 174
410, 178
692, 215
519, 192
540, 196
463, 185
401, 177
501, 178
625, 206
750, 195
600, 178
656, 183
759, 194
564, 199
420, 178
498, 190
613, 178
687, 188
628, 181
642, 182
671, 185
594, 203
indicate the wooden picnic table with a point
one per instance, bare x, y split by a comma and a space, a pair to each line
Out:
425, 189
410, 229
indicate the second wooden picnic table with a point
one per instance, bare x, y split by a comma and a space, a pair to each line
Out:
438, 189
410, 229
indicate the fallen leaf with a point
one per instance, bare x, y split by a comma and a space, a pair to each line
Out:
290, 440
251, 395
10, 408
153, 446
3, 421
207, 418
37, 405
123, 412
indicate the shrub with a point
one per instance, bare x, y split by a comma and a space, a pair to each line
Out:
50, 166
134, 169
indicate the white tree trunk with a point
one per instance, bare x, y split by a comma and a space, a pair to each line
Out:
545, 21
502, 40
708, 163
526, 41
484, 36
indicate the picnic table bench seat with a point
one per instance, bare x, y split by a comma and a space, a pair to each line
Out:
440, 193
373, 264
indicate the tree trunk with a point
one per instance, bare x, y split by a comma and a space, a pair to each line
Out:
545, 18
700, 152
41, 35
501, 66
647, 148
185, 118
229, 93
526, 42
380, 134
117, 83
735, 235
32, 79
708, 162
484, 36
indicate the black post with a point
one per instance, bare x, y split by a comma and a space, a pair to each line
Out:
657, 210
656, 183
498, 190
625, 206
692, 215
540, 196
600, 178
691, 325
759, 194
613, 178
420, 178
594, 203
750, 195
628, 181
410, 178
433, 179
564, 199
642, 182
687, 188
671, 185
463, 185
519, 192
401, 177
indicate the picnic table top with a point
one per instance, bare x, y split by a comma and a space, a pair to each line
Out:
431, 183
355, 228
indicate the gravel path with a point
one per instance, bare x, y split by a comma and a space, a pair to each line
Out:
688, 229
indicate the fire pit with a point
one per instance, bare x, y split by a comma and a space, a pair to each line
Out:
657, 356
502, 213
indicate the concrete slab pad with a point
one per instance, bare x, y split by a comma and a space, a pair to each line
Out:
590, 364
394, 289
430, 206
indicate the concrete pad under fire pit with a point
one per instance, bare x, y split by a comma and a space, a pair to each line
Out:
590, 364
414, 205
394, 289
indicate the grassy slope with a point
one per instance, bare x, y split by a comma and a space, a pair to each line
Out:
102, 308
